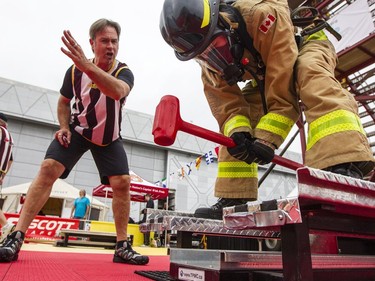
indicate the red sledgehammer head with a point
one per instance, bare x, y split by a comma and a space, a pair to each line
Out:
167, 120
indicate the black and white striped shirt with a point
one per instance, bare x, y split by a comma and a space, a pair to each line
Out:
94, 115
6, 144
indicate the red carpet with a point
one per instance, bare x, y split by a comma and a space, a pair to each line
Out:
54, 266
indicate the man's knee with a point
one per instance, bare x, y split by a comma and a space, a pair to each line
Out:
120, 182
51, 168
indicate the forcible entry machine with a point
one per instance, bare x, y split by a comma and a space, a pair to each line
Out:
322, 207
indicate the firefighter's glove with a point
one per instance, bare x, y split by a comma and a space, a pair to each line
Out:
251, 150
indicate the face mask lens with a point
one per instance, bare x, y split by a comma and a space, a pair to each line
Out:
217, 55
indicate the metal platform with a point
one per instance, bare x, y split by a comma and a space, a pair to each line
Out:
323, 205
318, 193
254, 260
161, 220
215, 265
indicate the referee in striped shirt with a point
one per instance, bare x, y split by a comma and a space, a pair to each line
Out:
89, 112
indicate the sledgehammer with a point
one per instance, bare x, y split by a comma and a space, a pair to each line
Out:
167, 122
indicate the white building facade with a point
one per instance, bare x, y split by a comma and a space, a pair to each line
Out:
32, 121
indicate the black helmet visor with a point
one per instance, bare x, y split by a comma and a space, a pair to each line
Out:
187, 42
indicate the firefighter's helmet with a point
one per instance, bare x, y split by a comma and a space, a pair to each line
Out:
189, 25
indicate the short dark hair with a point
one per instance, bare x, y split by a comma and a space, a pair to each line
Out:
3, 117
100, 24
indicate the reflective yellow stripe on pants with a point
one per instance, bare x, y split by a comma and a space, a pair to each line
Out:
331, 123
276, 124
237, 170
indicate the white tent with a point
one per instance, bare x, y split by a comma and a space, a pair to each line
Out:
60, 190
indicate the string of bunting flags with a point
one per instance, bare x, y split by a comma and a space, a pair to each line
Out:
208, 157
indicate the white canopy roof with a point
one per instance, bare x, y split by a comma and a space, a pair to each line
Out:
60, 189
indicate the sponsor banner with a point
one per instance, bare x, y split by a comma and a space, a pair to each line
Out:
45, 228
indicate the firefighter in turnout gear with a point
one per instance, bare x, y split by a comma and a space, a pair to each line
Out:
249, 41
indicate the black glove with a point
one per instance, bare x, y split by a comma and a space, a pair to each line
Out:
250, 150
243, 141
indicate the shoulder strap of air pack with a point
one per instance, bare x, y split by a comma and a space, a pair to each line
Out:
260, 71
309, 20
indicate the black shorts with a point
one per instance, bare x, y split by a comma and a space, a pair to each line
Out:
111, 160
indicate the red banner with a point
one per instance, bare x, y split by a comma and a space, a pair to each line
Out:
45, 228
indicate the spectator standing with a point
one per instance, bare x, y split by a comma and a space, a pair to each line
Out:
149, 205
81, 208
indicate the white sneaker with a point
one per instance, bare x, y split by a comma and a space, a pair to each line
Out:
5, 230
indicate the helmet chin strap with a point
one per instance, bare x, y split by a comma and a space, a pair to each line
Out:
233, 73
242, 38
